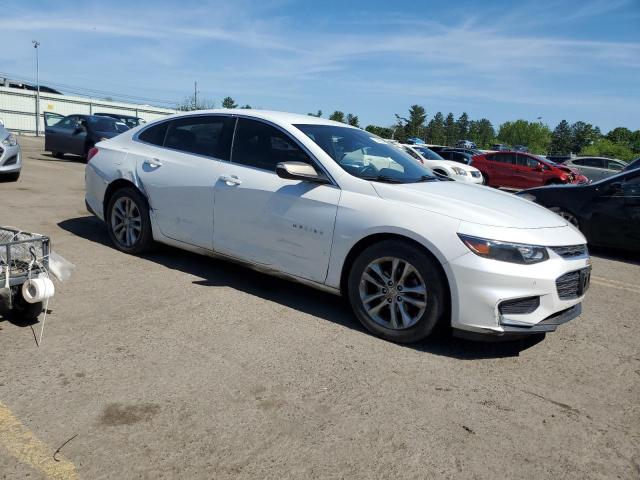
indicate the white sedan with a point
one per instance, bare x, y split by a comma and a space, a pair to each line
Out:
340, 209
454, 170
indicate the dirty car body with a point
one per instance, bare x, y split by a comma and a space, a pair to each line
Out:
314, 200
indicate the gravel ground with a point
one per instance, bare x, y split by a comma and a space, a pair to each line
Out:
175, 365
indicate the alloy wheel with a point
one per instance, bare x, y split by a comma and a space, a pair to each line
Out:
569, 217
393, 293
126, 221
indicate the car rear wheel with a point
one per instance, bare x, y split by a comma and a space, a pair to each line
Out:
397, 291
128, 221
568, 216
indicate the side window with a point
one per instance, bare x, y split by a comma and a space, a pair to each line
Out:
613, 165
526, 161
579, 162
593, 162
68, 122
509, 158
492, 157
257, 144
412, 153
154, 134
202, 135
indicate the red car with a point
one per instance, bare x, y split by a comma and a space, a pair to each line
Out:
523, 170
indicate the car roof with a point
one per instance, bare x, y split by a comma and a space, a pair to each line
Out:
269, 115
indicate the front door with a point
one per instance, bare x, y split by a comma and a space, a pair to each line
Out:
178, 163
286, 225
56, 127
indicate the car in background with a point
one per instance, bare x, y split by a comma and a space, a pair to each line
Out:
632, 165
466, 144
556, 158
129, 120
521, 148
607, 212
596, 168
500, 147
342, 210
457, 155
446, 168
77, 134
523, 170
10, 156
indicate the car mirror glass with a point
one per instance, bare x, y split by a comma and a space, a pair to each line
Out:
300, 171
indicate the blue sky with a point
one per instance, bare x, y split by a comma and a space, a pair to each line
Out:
577, 60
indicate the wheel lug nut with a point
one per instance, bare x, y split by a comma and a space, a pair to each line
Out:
399, 288
390, 283
399, 298
384, 290
389, 300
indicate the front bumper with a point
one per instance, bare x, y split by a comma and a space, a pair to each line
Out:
10, 159
469, 179
481, 285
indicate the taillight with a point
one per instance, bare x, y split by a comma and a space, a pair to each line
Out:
92, 153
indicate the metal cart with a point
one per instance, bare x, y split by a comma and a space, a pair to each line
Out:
23, 255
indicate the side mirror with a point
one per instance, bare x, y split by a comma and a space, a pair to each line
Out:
300, 171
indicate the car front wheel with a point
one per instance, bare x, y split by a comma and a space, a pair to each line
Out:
128, 221
397, 291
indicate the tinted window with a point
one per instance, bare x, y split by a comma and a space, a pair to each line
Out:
260, 145
102, 124
202, 135
428, 153
593, 162
412, 153
506, 158
154, 134
579, 162
68, 122
526, 161
613, 165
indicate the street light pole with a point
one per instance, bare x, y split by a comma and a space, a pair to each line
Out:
36, 44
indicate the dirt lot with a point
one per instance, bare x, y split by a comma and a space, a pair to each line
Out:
180, 366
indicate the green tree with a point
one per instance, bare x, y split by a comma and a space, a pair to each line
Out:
450, 130
413, 126
229, 103
195, 103
606, 148
620, 135
582, 135
535, 135
435, 130
337, 116
318, 114
353, 120
462, 125
247, 107
384, 132
482, 133
561, 139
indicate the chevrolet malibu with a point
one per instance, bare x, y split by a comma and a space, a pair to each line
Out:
340, 209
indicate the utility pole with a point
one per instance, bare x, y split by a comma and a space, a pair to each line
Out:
36, 44
195, 95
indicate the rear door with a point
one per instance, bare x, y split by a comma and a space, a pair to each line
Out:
179, 162
508, 169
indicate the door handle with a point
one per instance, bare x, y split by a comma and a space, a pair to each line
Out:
230, 180
153, 163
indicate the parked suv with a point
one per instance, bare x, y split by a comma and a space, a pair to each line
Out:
523, 170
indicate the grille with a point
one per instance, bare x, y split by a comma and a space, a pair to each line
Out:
568, 285
11, 161
519, 306
571, 251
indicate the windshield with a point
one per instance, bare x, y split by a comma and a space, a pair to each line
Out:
428, 153
366, 156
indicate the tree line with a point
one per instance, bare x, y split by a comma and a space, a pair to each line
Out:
580, 138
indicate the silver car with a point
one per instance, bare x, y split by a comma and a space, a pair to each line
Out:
596, 168
10, 161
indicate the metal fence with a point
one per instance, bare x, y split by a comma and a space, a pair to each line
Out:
18, 108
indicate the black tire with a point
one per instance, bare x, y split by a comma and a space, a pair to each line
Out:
58, 154
145, 239
485, 178
12, 177
429, 269
24, 311
568, 216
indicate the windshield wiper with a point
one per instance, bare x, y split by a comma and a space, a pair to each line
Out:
428, 178
383, 178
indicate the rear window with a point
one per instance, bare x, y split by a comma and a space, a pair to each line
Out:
154, 134
102, 124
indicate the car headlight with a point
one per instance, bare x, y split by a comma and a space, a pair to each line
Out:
10, 141
527, 196
459, 171
505, 251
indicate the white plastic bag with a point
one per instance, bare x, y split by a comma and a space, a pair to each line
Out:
60, 267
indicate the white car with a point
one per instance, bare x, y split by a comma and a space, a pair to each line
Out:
10, 156
454, 170
340, 209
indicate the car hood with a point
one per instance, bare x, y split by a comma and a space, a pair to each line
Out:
471, 203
